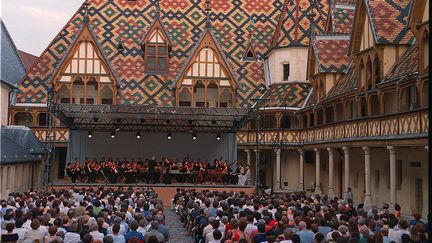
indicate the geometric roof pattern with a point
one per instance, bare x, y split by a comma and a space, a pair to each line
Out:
331, 53
292, 94
345, 83
294, 22
389, 21
342, 18
126, 22
408, 63
27, 58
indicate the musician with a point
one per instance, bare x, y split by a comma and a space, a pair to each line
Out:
151, 169
70, 170
244, 176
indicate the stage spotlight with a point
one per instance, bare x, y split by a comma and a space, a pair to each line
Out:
90, 134
194, 137
168, 121
190, 121
213, 122
218, 137
169, 136
95, 119
119, 120
142, 120
112, 134
138, 135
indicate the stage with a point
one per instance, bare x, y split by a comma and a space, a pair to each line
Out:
166, 192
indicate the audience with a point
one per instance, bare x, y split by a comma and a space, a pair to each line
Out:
288, 218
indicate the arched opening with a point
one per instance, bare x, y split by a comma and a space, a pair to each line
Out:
329, 114
64, 95
106, 95
199, 91
185, 97
23, 119
267, 121
322, 90
351, 109
42, 119
390, 102
425, 94
362, 77
320, 117
304, 121
78, 92
312, 120
377, 70
289, 121
425, 47
374, 105
226, 98
339, 112
363, 107
409, 98
92, 89
212, 94
369, 74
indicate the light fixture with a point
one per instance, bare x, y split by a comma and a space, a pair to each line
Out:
213, 122
113, 134
169, 136
95, 119
142, 120
138, 135
90, 134
194, 137
168, 121
218, 137
190, 121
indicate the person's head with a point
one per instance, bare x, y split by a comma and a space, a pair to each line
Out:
74, 226
154, 225
108, 239
87, 238
302, 225
318, 237
94, 227
133, 225
261, 228
397, 207
403, 224
52, 230
405, 238
10, 227
35, 224
217, 235
116, 228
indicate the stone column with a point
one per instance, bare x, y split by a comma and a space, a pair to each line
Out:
317, 172
301, 176
248, 157
331, 193
277, 185
392, 152
346, 168
367, 197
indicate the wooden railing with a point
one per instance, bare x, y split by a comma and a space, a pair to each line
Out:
61, 134
393, 126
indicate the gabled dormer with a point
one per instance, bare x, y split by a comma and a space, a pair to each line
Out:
156, 45
206, 79
377, 40
85, 75
419, 25
250, 55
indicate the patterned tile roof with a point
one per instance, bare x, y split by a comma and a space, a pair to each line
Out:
27, 58
294, 23
389, 20
115, 21
331, 53
342, 18
345, 83
292, 94
407, 64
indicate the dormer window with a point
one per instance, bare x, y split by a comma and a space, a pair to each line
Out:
250, 54
156, 45
286, 71
156, 53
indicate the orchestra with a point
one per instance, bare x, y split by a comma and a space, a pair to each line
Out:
150, 171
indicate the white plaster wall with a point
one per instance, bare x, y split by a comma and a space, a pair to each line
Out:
295, 56
4, 99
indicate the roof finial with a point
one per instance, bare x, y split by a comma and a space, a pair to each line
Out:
311, 16
86, 5
208, 10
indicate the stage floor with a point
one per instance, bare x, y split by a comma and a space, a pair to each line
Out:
166, 192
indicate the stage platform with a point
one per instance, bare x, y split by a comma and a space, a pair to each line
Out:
165, 191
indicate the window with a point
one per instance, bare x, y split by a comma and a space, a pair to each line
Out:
42, 119
425, 45
286, 71
369, 74
250, 55
410, 98
156, 52
377, 70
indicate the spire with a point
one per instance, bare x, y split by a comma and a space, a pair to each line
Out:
311, 16
208, 10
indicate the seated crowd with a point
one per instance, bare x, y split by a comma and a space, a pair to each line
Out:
84, 215
153, 171
227, 217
